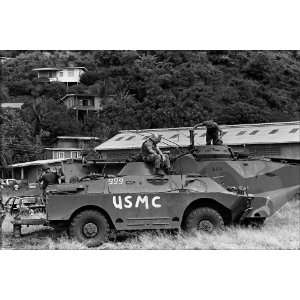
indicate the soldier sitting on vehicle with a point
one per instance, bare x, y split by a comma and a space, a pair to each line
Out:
213, 132
151, 153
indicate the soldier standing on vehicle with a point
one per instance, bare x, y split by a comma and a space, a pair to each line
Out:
61, 176
213, 132
2, 216
47, 178
152, 153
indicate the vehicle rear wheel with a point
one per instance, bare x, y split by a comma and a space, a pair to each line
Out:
203, 219
90, 227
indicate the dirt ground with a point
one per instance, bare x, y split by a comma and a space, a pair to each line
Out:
281, 231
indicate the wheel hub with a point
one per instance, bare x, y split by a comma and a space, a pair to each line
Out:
90, 230
206, 225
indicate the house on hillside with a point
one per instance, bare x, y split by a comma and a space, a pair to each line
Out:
83, 104
68, 75
70, 147
15, 105
3, 59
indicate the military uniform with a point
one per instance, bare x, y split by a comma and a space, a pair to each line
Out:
151, 153
47, 178
212, 133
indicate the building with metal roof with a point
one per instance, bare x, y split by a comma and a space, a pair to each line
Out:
12, 105
281, 139
70, 147
68, 75
85, 105
31, 170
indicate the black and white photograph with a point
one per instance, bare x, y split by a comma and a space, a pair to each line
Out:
150, 149
157, 144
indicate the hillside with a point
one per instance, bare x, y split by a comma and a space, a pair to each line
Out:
148, 89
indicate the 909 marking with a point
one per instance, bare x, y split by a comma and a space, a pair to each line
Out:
117, 180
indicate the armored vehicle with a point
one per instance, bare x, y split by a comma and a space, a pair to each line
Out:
275, 181
135, 199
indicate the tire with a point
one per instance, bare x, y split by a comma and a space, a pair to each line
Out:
254, 223
89, 227
203, 219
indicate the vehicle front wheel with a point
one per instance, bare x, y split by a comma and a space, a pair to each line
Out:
203, 219
89, 227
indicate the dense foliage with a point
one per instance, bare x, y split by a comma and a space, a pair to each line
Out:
150, 89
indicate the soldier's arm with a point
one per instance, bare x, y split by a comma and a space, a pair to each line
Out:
149, 147
198, 125
220, 130
159, 151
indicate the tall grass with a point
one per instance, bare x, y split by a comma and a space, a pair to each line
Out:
281, 231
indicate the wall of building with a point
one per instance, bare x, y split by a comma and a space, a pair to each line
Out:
98, 103
83, 101
67, 143
290, 151
69, 75
32, 173
66, 154
74, 169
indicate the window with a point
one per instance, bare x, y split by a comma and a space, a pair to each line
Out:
203, 134
253, 132
242, 132
43, 74
74, 154
119, 138
294, 130
58, 155
61, 155
70, 73
61, 74
175, 136
273, 131
130, 138
224, 132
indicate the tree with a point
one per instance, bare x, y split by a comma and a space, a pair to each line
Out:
46, 115
17, 143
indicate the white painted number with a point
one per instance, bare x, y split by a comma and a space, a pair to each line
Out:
117, 180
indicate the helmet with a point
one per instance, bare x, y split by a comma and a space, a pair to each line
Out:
45, 167
156, 138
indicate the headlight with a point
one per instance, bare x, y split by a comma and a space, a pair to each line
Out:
240, 190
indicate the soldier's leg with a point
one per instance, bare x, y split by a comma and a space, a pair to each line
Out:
154, 158
208, 139
166, 162
216, 140
157, 161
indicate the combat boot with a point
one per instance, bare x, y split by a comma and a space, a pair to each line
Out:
159, 172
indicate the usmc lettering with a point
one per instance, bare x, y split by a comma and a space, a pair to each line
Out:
136, 201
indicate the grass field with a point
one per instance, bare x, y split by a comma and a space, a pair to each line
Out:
281, 231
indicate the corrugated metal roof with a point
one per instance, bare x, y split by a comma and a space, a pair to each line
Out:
57, 69
78, 138
46, 69
37, 163
64, 149
263, 133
